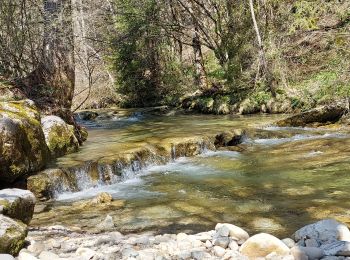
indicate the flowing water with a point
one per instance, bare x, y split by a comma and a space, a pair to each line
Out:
279, 180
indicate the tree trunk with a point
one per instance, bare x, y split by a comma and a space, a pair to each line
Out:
51, 85
200, 73
262, 59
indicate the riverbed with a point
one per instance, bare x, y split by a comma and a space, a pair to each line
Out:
276, 181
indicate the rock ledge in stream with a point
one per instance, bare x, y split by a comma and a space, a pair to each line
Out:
225, 242
51, 182
323, 115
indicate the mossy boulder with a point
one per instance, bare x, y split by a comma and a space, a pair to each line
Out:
22, 142
46, 184
17, 204
221, 105
12, 235
59, 136
278, 106
324, 114
249, 106
205, 105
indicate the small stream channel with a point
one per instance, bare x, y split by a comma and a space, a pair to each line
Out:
277, 181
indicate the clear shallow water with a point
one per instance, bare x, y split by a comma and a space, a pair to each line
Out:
282, 179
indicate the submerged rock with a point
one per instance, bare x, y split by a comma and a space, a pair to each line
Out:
324, 114
22, 142
17, 204
59, 136
12, 235
103, 197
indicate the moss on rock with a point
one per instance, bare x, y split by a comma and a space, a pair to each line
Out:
22, 143
59, 136
12, 235
18, 204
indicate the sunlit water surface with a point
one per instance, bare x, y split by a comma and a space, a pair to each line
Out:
282, 179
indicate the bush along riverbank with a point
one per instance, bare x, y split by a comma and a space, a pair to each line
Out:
326, 239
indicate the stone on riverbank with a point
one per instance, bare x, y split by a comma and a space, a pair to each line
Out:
22, 142
12, 235
17, 204
59, 136
236, 233
324, 114
328, 230
262, 244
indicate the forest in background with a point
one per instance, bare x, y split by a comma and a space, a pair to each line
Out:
78, 54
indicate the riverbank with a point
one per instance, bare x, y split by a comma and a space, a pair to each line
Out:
326, 239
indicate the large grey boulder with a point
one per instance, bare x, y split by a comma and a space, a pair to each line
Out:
22, 143
59, 136
17, 204
328, 230
12, 235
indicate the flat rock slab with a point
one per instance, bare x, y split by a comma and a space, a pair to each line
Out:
324, 114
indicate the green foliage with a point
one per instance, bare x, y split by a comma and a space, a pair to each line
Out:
148, 73
261, 97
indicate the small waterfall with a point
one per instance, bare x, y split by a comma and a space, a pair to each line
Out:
173, 152
96, 174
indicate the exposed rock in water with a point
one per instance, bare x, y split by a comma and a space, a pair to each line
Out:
324, 114
103, 197
46, 184
229, 138
12, 235
22, 142
87, 115
59, 136
17, 204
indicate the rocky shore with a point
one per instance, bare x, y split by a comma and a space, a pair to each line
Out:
325, 239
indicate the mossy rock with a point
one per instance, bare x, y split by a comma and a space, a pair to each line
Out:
221, 105
17, 204
46, 184
12, 235
323, 115
249, 106
205, 105
22, 142
59, 136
